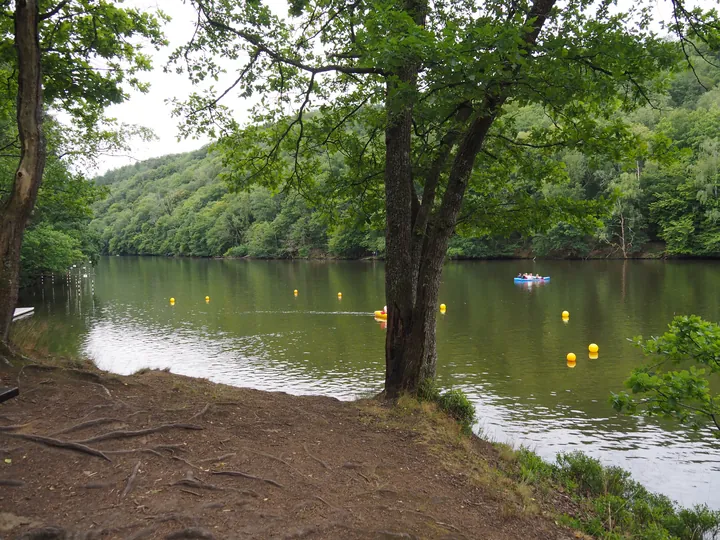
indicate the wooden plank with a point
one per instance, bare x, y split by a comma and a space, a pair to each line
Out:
7, 393
21, 313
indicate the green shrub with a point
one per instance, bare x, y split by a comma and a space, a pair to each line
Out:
612, 504
236, 251
589, 476
533, 469
457, 405
428, 391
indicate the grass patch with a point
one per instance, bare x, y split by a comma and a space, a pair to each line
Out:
454, 402
577, 490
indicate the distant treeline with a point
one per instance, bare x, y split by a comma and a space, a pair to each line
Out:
665, 197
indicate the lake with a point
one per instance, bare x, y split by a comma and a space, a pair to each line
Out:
503, 343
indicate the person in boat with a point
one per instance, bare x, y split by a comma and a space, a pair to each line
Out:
538, 276
520, 275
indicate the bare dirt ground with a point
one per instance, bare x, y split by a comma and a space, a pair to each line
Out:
85, 454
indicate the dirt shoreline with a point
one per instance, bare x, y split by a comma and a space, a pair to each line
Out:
157, 455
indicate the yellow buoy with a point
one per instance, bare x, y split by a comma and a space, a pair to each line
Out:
571, 364
207, 298
593, 348
593, 356
295, 292
443, 307
172, 300
571, 357
565, 314
339, 295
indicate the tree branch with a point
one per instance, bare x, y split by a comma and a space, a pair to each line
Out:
275, 55
55, 10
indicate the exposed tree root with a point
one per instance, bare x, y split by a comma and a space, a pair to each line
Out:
102, 386
216, 459
13, 428
320, 461
131, 481
89, 423
186, 462
137, 433
136, 451
201, 413
67, 445
9, 354
278, 459
248, 476
147, 532
191, 481
7, 482
191, 532
46, 533
170, 447
319, 498
191, 492
96, 485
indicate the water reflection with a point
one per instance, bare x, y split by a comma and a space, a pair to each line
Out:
505, 344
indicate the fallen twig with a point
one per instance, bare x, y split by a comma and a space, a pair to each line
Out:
131, 481
320, 461
191, 492
248, 476
68, 445
138, 433
89, 423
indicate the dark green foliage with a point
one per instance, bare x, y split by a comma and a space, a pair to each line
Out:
685, 395
611, 504
563, 240
456, 403
428, 391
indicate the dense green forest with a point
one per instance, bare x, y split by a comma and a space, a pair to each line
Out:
660, 197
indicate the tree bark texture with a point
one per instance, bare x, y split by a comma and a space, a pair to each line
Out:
418, 234
17, 209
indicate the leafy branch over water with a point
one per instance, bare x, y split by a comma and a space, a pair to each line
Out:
681, 394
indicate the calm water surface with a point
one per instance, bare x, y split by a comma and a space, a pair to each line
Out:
504, 344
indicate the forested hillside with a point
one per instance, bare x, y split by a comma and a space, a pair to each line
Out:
663, 191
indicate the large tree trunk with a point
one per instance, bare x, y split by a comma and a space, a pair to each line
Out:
17, 209
416, 242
